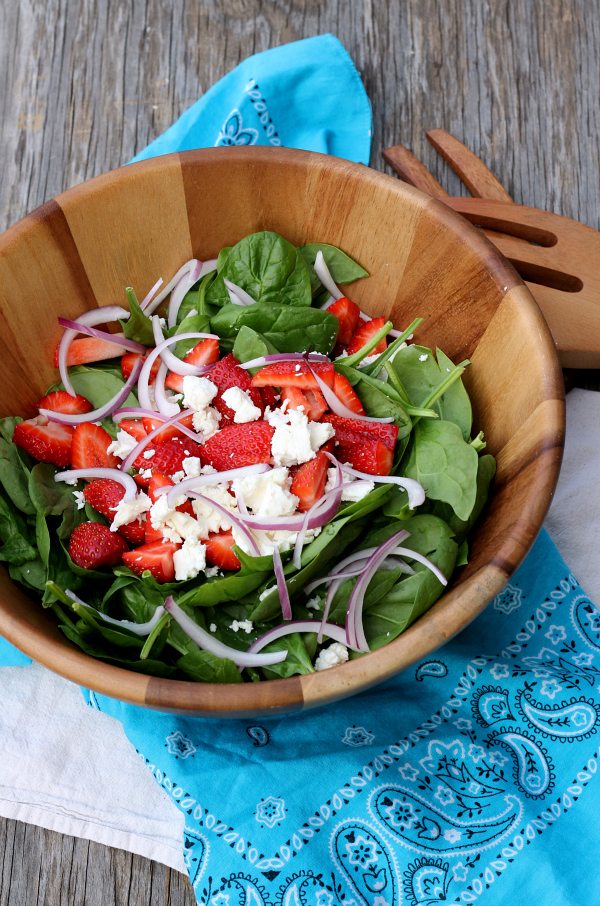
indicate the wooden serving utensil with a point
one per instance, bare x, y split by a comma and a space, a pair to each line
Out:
558, 258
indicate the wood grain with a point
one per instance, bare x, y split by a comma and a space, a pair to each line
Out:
87, 83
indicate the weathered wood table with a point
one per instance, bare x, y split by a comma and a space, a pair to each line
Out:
85, 84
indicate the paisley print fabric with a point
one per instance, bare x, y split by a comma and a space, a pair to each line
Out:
470, 778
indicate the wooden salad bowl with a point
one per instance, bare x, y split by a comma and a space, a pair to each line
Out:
132, 225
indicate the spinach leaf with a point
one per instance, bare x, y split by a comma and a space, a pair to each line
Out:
14, 477
99, 385
8, 425
251, 345
42, 537
149, 667
380, 584
297, 660
17, 550
444, 464
138, 326
269, 268
138, 603
217, 294
454, 405
50, 497
341, 267
462, 557
191, 324
222, 257
287, 328
11, 521
217, 591
486, 470
204, 667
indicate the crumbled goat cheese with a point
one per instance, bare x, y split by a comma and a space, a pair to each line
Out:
176, 477
267, 492
358, 489
198, 392
123, 445
186, 526
80, 498
266, 592
370, 359
212, 571
268, 541
213, 627
277, 417
239, 400
162, 323
297, 442
314, 603
190, 559
160, 516
343, 354
210, 519
424, 357
332, 656
192, 466
206, 422
146, 473
246, 625
148, 454
133, 509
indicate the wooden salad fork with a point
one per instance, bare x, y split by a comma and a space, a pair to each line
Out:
558, 258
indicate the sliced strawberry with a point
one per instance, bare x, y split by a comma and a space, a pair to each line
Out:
93, 545
228, 373
219, 553
206, 352
156, 557
309, 481
365, 332
168, 432
88, 450
105, 495
370, 456
159, 480
348, 314
44, 440
151, 534
316, 404
90, 349
294, 374
346, 394
269, 397
61, 401
296, 399
350, 429
130, 358
167, 457
133, 426
239, 445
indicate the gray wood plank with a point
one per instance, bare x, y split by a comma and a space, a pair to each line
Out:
85, 84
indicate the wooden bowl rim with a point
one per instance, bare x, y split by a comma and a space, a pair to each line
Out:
297, 693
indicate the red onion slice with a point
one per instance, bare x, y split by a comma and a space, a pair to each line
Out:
244, 297
147, 298
328, 302
212, 479
144, 381
336, 405
183, 287
90, 319
184, 269
141, 446
336, 494
296, 523
322, 272
413, 555
228, 514
165, 407
271, 635
67, 419
142, 629
285, 357
208, 642
122, 478
415, 491
115, 338
284, 595
171, 360
354, 627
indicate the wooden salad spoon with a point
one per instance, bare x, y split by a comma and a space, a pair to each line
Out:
558, 258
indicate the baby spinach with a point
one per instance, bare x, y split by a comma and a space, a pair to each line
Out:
17, 550
287, 329
251, 345
138, 326
379, 400
486, 470
217, 591
444, 464
14, 477
341, 267
191, 324
204, 667
269, 268
297, 661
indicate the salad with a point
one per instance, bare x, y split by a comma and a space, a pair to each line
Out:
252, 479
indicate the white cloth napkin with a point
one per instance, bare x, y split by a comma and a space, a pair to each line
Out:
71, 769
